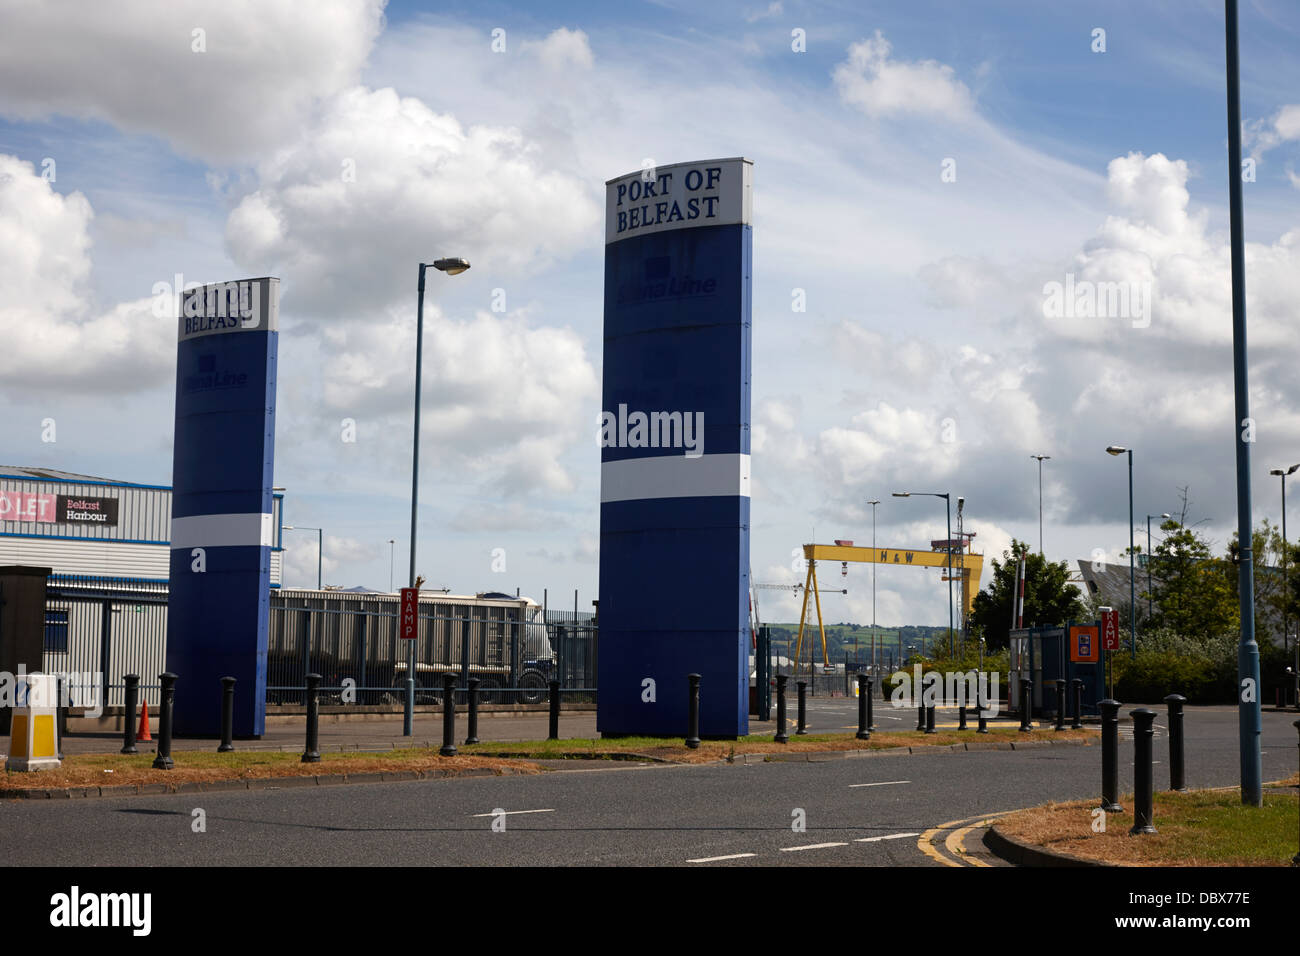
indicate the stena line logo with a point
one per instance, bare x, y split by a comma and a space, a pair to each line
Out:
76, 909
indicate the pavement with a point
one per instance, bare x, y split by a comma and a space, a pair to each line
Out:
922, 809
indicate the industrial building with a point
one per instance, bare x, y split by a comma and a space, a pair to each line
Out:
87, 529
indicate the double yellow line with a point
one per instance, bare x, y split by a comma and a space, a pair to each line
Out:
955, 842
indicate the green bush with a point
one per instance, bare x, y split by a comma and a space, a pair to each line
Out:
1202, 670
1154, 675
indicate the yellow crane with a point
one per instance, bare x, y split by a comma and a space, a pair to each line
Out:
966, 568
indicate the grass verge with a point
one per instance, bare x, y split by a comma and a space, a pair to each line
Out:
674, 750
104, 770
109, 769
1201, 828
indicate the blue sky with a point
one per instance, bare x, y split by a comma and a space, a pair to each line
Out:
924, 296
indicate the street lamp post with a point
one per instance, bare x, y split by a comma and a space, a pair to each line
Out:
391, 552
873, 502
947, 503
320, 547
1286, 616
1041, 459
1149, 517
1132, 587
1249, 716
451, 267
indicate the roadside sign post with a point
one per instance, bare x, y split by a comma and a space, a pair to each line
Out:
1110, 642
408, 628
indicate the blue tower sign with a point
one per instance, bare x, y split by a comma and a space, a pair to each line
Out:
221, 535
674, 435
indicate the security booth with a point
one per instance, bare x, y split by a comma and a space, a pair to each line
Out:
1026, 663
1049, 654
1082, 661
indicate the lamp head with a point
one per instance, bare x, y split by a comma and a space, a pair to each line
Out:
453, 267
902, 494
1115, 449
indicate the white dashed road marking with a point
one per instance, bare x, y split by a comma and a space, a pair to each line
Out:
507, 813
717, 859
891, 836
810, 846
885, 783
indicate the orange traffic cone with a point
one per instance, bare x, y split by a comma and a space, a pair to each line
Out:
144, 723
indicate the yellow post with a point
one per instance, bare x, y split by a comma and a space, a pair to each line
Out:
812, 568
803, 615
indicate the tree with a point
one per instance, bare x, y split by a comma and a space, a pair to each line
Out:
1190, 585
1270, 596
1050, 598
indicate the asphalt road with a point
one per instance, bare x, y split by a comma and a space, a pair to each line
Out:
858, 812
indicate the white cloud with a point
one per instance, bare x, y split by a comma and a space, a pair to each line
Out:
563, 49
54, 337
134, 64
339, 556
879, 86
773, 9
345, 212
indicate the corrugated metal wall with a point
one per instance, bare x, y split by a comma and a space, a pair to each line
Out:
144, 515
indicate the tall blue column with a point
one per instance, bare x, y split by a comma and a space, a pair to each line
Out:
221, 533
674, 513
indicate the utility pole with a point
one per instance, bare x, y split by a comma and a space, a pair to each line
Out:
1248, 702
873, 502
1041, 459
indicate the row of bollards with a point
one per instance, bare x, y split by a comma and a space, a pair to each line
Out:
163, 757
1143, 768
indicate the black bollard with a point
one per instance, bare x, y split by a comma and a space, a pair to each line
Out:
227, 715
554, 733
168, 701
871, 717
132, 701
979, 710
920, 715
961, 716
471, 718
1060, 704
448, 748
693, 711
1143, 783
929, 720
781, 736
312, 753
1077, 723
1295, 860
864, 701
61, 703
1176, 765
803, 707
1110, 756
1026, 704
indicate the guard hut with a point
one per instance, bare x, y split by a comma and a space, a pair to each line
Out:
1048, 654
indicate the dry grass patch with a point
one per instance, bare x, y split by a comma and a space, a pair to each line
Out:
1201, 828
675, 750
103, 770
